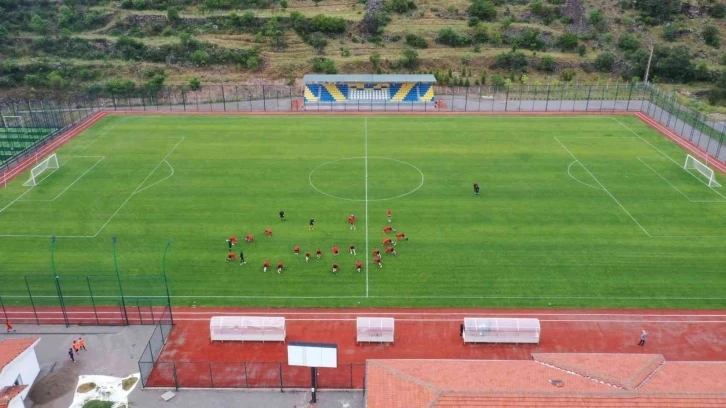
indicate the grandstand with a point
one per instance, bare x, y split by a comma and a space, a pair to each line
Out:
369, 88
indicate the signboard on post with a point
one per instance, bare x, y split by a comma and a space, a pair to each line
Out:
312, 355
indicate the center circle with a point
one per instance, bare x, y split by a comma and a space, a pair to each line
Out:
366, 179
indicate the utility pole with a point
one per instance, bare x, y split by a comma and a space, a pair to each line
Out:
650, 58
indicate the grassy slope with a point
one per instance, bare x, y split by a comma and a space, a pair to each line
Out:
535, 236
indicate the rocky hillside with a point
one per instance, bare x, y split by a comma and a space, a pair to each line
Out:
101, 44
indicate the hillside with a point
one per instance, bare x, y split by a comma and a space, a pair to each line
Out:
77, 44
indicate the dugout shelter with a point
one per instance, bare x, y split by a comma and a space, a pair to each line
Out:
393, 88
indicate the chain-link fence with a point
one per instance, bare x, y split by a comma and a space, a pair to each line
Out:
269, 375
665, 107
155, 345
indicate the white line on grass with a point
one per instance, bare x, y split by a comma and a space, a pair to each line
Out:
139, 186
666, 156
76, 180
165, 178
676, 188
365, 155
113, 126
26, 192
578, 180
603, 187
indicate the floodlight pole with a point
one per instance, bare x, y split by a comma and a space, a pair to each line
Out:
118, 276
166, 283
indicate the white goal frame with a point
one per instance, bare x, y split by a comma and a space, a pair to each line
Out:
702, 168
50, 162
21, 123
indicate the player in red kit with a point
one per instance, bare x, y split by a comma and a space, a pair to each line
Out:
377, 260
231, 256
249, 238
297, 250
279, 267
389, 213
351, 249
265, 265
351, 221
307, 256
388, 241
376, 252
268, 232
319, 253
358, 265
391, 250
335, 268
335, 251
401, 236
388, 229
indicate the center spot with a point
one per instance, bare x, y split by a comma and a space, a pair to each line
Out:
345, 179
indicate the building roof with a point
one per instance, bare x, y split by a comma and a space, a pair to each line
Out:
12, 348
8, 393
566, 380
368, 78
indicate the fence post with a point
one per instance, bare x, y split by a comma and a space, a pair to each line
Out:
151, 351
587, 104
211, 377
2, 304
32, 303
247, 384
184, 98
466, 99
617, 89
93, 302
279, 366
176, 379
627, 107
351, 376
506, 100
264, 99
547, 101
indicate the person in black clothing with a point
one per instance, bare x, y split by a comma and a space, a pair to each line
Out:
461, 330
312, 224
242, 258
282, 215
476, 189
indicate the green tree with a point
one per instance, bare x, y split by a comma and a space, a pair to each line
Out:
375, 59
710, 36
567, 41
65, 16
199, 57
628, 43
194, 84
172, 14
598, 20
275, 33
658, 11
547, 64
605, 61
317, 40
410, 58
400, 6
38, 25
156, 83
3, 32
323, 65
415, 41
483, 10
568, 75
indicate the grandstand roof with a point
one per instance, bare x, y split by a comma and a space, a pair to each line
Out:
551, 380
368, 78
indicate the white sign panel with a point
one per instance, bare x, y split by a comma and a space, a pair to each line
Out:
312, 354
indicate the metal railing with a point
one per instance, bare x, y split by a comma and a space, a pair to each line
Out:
155, 345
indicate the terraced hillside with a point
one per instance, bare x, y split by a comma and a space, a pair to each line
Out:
75, 44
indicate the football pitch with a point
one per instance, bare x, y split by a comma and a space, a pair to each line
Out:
579, 211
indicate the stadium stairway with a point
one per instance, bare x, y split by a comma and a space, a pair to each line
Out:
309, 93
402, 92
335, 92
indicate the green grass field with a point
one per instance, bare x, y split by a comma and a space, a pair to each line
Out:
584, 211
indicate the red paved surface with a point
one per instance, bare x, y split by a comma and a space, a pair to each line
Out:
429, 334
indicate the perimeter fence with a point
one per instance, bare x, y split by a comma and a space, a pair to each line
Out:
59, 112
208, 374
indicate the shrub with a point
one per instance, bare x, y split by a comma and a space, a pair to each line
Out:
568, 75
702, 73
400, 6
710, 36
410, 58
547, 64
567, 41
658, 11
199, 57
38, 25
598, 20
450, 37
546, 13
498, 80
323, 65
628, 43
718, 10
480, 34
328, 25
172, 14
530, 39
317, 40
416, 41
483, 10
581, 50
194, 84
514, 61
374, 23
671, 32
344, 52
605, 61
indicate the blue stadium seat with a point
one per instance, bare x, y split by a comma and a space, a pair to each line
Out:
412, 94
394, 88
325, 96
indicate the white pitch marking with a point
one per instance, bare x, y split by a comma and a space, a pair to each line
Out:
165, 178
76, 180
578, 180
365, 155
603, 187
676, 188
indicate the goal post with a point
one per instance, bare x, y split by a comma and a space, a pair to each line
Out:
694, 164
50, 162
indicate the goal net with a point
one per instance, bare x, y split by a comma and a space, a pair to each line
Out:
694, 164
51, 162
14, 124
